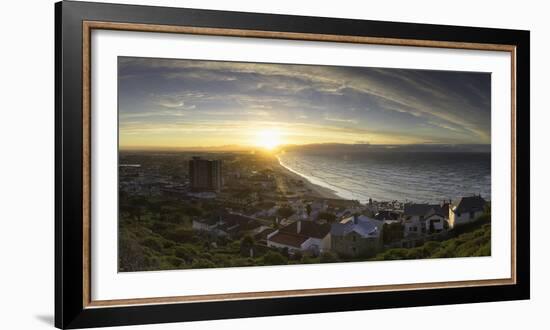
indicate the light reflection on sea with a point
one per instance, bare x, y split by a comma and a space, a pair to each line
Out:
385, 176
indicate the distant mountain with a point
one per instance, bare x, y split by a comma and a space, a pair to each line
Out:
226, 148
332, 148
365, 147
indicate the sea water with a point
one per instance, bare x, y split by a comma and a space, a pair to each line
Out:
403, 176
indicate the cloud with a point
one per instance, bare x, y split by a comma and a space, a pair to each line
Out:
341, 120
172, 102
453, 104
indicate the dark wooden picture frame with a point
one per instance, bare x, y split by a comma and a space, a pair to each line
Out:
74, 22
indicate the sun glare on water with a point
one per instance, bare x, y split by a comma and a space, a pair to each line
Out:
268, 139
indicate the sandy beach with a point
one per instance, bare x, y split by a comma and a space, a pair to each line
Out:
314, 190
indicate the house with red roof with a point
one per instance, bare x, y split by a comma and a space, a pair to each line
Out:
301, 236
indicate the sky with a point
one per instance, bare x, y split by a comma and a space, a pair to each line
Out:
175, 103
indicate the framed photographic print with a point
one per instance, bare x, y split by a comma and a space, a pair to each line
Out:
218, 164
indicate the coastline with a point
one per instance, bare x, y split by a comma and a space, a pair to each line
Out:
393, 177
316, 189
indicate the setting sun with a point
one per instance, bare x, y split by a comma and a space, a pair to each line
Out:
268, 139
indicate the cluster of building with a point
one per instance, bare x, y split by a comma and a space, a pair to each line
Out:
204, 179
315, 225
148, 181
419, 219
354, 235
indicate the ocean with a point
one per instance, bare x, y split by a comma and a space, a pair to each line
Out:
403, 176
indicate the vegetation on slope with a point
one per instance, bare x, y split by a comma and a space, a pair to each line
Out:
158, 236
467, 244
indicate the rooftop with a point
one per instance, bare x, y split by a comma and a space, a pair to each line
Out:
361, 225
470, 204
416, 209
289, 239
307, 228
232, 222
426, 210
263, 234
387, 215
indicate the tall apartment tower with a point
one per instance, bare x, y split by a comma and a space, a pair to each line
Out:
205, 175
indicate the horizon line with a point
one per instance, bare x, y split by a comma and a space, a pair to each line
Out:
253, 147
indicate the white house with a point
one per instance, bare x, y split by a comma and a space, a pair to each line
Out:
424, 218
358, 235
465, 210
413, 219
435, 218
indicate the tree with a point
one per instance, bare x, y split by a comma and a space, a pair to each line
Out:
308, 209
273, 258
285, 211
192, 211
329, 217
135, 211
136, 207
152, 243
392, 232
247, 243
297, 255
328, 257
285, 252
487, 208
155, 207
131, 255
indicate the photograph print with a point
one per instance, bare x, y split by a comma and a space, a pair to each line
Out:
237, 164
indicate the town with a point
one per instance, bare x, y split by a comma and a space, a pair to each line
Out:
221, 209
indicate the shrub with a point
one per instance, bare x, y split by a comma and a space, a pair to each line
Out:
131, 256
159, 227
327, 257
273, 258
152, 243
174, 261
431, 246
416, 253
202, 263
468, 244
485, 250
285, 211
168, 244
247, 243
392, 232
393, 254
152, 263
185, 253
192, 211
297, 256
181, 235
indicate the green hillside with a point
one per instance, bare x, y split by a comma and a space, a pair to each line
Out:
468, 244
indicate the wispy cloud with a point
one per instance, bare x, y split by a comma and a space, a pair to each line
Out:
341, 120
455, 106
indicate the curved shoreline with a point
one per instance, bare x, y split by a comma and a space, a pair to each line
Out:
317, 188
339, 187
